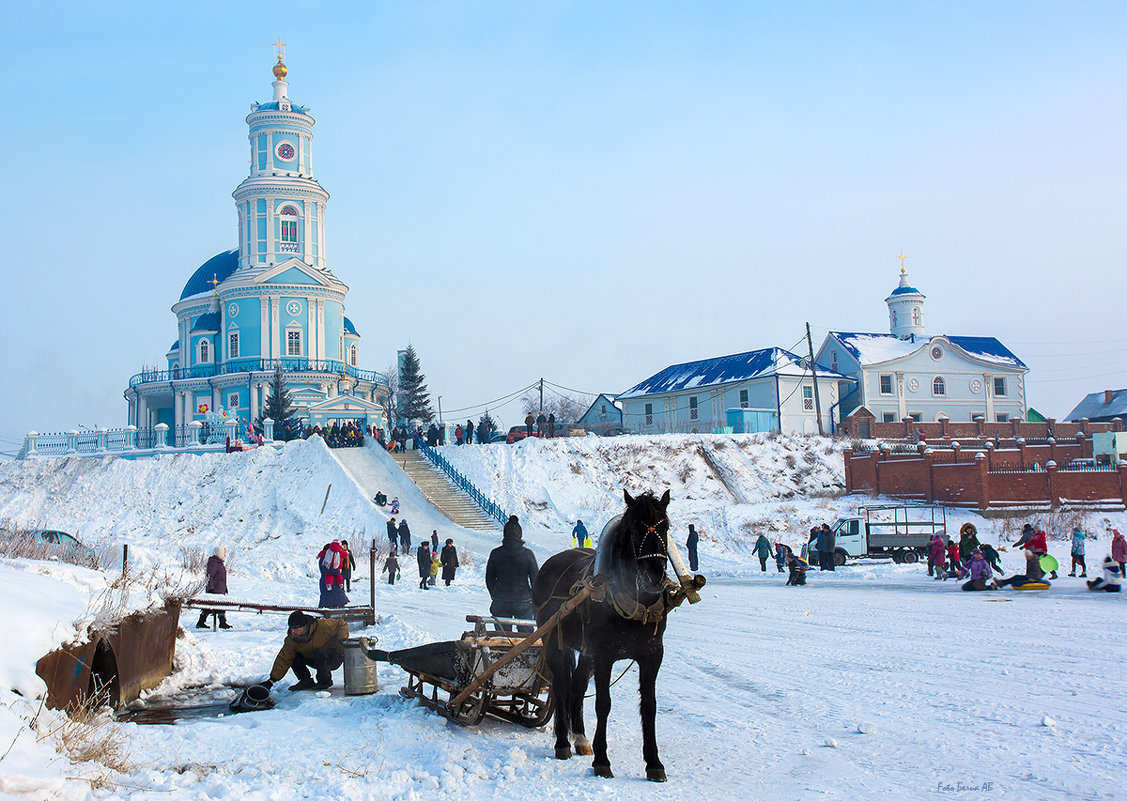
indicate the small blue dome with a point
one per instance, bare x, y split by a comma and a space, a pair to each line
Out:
218, 267
905, 290
207, 322
349, 328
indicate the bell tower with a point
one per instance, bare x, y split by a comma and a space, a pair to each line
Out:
281, 205
905, 307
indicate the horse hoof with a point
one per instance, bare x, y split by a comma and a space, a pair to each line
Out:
655, 774
564, 752
584, 749
603, 771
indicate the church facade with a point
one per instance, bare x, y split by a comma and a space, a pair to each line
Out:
270, 302
907, 374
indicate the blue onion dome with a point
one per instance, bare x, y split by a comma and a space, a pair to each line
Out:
217, 268
349, 328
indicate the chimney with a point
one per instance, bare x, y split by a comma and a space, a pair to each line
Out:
1109, 396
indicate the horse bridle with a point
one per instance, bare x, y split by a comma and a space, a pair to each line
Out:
663, 549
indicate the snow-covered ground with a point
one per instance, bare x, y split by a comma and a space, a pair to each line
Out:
871, 682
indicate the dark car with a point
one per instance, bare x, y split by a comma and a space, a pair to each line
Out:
517, 433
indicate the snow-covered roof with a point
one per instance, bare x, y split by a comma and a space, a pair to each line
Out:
1096, 406
906, 290
876, 348
725, 370
275, 105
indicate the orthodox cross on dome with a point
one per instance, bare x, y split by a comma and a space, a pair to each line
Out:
279, 48
903, 258
214, 283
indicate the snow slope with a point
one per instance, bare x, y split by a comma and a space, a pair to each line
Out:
947, 687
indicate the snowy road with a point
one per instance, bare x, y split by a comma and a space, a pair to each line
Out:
952, 688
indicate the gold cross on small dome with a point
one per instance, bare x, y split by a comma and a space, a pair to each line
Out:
903, 258
214, 283
278, 45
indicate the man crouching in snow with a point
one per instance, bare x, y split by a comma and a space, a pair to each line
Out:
312, 642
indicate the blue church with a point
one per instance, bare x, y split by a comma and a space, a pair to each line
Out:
271, 301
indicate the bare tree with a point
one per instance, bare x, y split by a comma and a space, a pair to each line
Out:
566, 408
388, 403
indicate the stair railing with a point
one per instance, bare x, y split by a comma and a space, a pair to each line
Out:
464, 484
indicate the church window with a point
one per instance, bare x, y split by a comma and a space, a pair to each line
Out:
808, 399
1000, 387
233, 401
886, 384
205, 352
915, 315
233, 345
293, 343
1002, 417
289, 224
352, 356
888, 417
939, 386
917, 417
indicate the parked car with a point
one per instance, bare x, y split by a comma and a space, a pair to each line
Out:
517, 433
66, 544
1082, 464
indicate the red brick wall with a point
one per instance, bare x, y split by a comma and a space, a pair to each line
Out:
956, 484
1022, 487
1086, 485
909, 477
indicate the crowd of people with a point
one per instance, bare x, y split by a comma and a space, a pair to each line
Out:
339, 435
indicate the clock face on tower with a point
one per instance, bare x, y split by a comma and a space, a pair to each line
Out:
284, 151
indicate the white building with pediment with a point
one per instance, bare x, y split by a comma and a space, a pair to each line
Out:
908, 374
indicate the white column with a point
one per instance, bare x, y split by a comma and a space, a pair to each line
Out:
988, 391
270, 245
142, 412
253, 402
902, 401
275, 330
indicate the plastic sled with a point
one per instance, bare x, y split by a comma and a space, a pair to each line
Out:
1048, 562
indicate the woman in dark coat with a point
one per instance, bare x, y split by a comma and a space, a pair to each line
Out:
216, 585
449, 561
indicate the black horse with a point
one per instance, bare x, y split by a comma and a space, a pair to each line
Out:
628, 623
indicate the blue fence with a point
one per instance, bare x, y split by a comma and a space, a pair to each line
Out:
289, 365
463, 483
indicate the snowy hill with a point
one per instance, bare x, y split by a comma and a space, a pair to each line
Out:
871, 682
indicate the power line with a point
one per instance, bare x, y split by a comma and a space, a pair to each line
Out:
505, 398
569, 389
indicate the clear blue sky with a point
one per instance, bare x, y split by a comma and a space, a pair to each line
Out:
586, 192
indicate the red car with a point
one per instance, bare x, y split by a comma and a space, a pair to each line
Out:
517, 433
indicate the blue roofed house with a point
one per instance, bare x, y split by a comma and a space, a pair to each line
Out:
1101, 407
908, 374
770, 389
603, 417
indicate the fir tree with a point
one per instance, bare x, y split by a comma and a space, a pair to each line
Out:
485, 427
414, 399
279, 408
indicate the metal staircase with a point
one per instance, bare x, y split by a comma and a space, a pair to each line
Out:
441, 491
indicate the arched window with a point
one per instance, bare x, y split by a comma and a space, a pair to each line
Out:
939, 386
289, 228
352, 356
894, 318
915, 315
205, 351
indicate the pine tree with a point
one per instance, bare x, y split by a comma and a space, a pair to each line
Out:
485, 427
279, 408
414, 403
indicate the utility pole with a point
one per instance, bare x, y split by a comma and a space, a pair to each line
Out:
814, 373
541, 396
440, 410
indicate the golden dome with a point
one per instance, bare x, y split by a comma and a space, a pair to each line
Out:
280, 70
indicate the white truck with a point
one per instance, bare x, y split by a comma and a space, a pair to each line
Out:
899, 533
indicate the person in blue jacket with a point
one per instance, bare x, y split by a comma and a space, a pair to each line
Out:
763, 551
